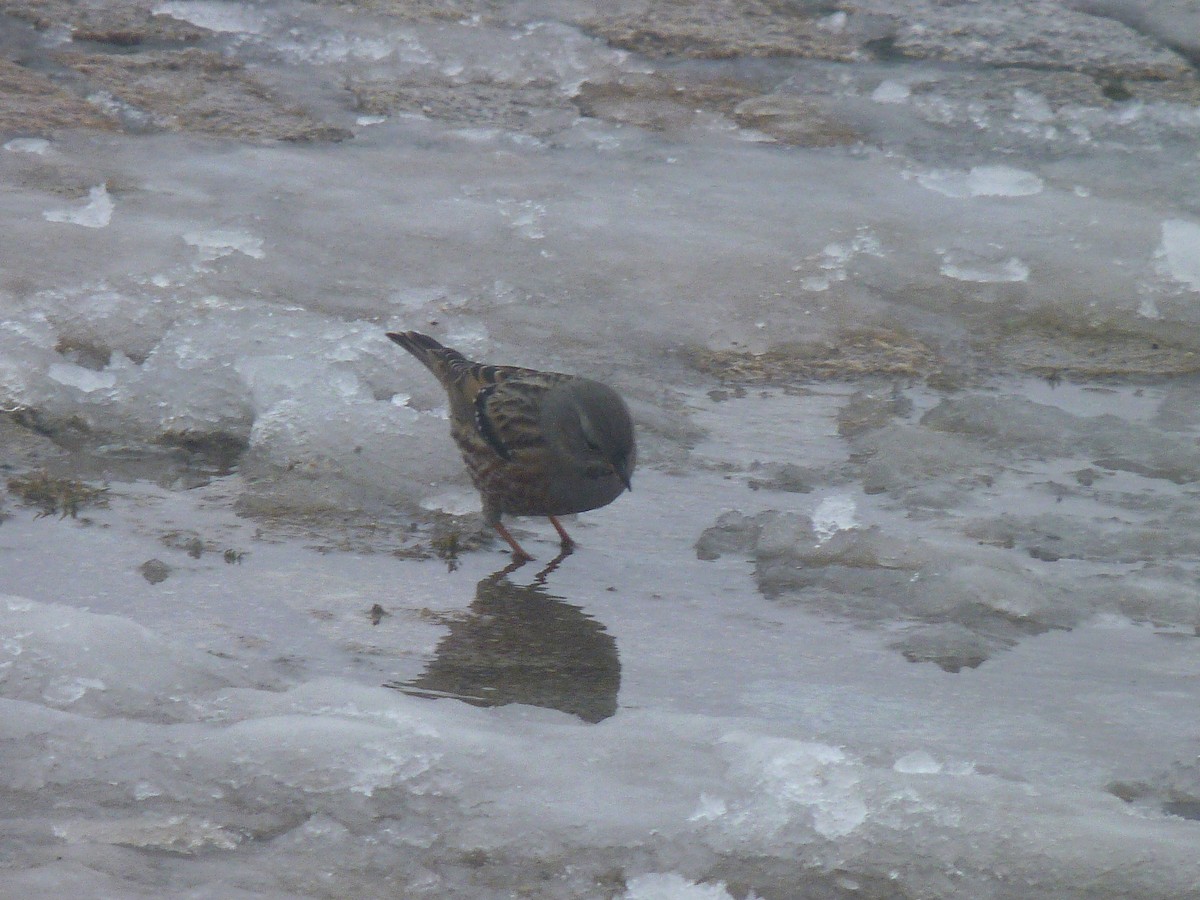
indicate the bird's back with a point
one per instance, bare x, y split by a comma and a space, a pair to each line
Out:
462, 378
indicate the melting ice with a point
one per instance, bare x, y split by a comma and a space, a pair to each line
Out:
903, 300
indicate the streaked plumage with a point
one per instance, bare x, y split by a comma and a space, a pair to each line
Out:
535, 443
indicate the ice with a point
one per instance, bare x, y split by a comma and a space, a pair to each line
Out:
63, 659
86, 380
1031, 107
219, 17
96, 213
1179, 252
833, 514
39, 146
669, 886
891, 92
982, 181
918, 763
212, 245
901, 296
963, 268
793, 782
319, 767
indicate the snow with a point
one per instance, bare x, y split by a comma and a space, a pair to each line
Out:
903, 601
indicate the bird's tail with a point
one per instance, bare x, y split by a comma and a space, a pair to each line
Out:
448, 365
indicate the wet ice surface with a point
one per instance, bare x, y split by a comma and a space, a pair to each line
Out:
903, 602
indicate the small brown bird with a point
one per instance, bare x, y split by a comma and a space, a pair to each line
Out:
535, 443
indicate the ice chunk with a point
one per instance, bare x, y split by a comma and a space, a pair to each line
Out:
832, 264
669, 886
452, 502
1019, 425
525, 217
219, 17
792, 786
982, 181
919, 762
96, 213
1179, 252
178, 834
891, 92
86, 380
732, 533
38, 146
67, 659
966, 267
1031, 107
709, 808
832, 515
221, 242
834, 23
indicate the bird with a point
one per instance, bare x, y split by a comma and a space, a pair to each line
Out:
535, 443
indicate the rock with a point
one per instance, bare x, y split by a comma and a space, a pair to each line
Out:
155, 571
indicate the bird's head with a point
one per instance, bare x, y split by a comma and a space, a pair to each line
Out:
591, 424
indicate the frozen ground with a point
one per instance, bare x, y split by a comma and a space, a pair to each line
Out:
904, 299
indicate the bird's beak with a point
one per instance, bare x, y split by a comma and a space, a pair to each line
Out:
624, 476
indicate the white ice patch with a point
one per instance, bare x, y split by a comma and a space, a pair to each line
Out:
524, 217
1031, 107
794, 783
982, 181
340, 48
708, 809
833, 514
40, 146
96, 213
453, 503
669, 886
835, 23
86, 380
917, 763
964, 267
1148, 307
832, 264
220, 242
65, 691
179, 834
219, 17
1179, 253
891, 92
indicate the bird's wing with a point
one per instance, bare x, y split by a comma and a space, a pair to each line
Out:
508, 408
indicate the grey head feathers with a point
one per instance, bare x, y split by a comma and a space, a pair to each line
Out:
591, 425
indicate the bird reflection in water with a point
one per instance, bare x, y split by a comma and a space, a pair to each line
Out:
521, 644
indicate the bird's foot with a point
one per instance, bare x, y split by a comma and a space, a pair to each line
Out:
567, 543
518, 553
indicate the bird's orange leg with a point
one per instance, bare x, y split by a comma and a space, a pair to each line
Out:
567, 544
519, 555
